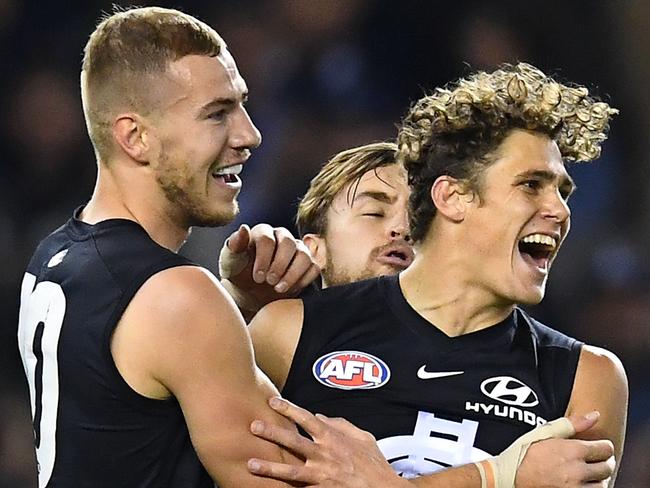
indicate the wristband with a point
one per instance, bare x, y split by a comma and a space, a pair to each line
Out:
487, 474
231, 263
500, 471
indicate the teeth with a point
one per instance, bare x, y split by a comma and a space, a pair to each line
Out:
229, 170
540, 239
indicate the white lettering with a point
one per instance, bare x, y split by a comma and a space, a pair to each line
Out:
368, 376
486, 408
352, 368
520, 414
501, 413
505, 411
333, 368
472, 407
529, 418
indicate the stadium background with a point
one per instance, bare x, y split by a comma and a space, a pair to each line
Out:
325, 75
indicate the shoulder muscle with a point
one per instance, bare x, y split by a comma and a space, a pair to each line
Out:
198, 349
601, 384
275, 331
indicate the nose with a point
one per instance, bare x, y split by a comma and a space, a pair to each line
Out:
556, 207
244, 134
399, 227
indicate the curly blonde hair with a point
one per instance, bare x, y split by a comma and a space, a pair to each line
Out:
456, 130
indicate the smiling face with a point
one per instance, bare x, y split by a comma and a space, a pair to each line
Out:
514, 230
205, 136
366, 231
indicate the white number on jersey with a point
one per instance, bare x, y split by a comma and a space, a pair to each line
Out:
41, 316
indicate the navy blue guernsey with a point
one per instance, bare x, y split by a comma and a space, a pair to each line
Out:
432, 401
91, 429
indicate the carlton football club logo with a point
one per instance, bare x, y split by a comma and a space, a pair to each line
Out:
351, 370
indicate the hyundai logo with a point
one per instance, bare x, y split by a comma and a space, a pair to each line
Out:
510, 391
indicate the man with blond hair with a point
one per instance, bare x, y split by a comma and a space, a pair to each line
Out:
358, 197
140, 369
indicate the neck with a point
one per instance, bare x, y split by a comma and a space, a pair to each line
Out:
137, 201
441, 287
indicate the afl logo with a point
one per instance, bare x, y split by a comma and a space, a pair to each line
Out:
510, 391
351, 370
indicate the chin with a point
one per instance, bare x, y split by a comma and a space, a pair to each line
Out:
388, 271
532, 296
216, 218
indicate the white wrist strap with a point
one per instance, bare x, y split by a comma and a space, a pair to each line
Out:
231, 264
500, 471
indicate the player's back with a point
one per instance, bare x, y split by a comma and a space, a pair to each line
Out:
91, 429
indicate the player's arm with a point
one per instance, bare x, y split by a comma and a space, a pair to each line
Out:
263, 264
340, 454
275, 332
601, 384
182, 335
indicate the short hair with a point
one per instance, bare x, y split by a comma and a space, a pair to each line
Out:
126, 54
455, 130
343, 169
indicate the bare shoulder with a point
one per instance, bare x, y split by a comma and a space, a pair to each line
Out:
602, 366
178, 313
183, 336
189, 314
289, 311
275, 332
187, 302
184, 290
601, 384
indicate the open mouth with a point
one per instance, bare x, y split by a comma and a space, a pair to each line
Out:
397, 257
538, 249
228, 174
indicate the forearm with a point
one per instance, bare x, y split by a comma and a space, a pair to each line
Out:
466, 476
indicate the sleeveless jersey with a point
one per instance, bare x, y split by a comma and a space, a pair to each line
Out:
432, 401
91, 429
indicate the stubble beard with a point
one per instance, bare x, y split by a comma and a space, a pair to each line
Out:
187, 203
333, 275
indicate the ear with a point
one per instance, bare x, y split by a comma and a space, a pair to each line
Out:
451, 197
131, 134
317, 247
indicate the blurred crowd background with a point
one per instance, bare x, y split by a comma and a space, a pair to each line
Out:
326, 75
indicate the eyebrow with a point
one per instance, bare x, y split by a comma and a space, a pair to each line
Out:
380, 196
566, 182
222, 103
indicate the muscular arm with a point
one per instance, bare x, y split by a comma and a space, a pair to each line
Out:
601, 384
182, 336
